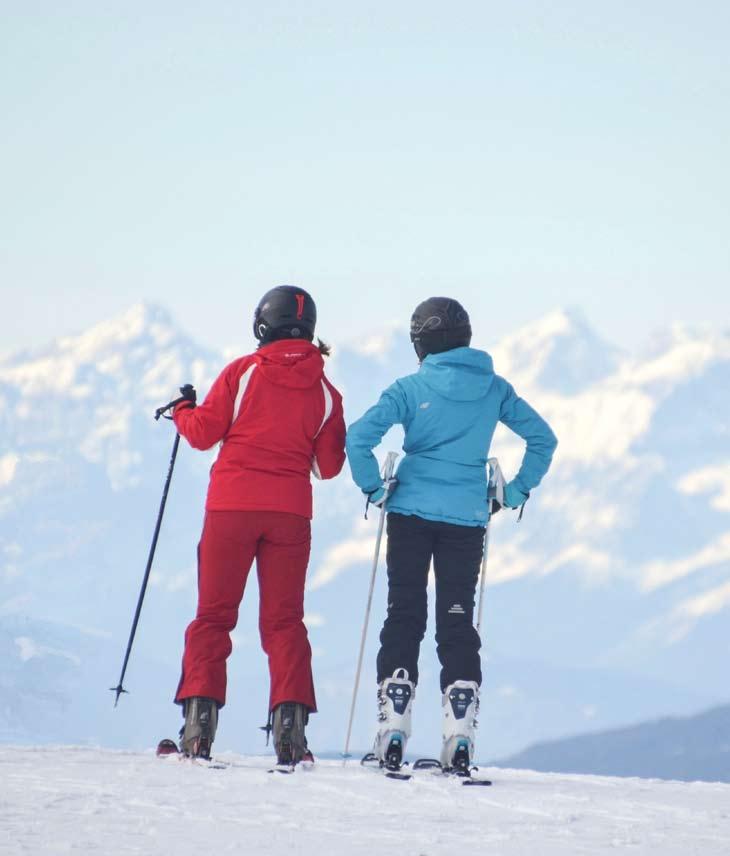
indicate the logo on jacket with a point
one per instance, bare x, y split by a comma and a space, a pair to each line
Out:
425, 405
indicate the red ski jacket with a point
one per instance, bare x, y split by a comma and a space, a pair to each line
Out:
277, 418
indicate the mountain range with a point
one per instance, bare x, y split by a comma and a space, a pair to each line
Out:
606, 605
687, 748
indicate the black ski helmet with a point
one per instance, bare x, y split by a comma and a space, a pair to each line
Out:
285, 312
439, 324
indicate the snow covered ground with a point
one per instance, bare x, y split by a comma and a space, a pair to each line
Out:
66, 800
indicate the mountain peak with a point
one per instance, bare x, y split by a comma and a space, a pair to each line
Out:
562, 321
140, 319
559, 351
143, 345
678, 352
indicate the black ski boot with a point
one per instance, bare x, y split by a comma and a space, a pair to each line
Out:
289, 720
201, 721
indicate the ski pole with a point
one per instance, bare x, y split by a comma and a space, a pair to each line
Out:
119, 688
388, 469
495, 496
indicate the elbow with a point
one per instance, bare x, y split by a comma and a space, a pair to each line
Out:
543, 443
326, 475
337, 469
325, 470
201, 434
351, 444
545, 439
196, 439
201, 445
194, 442
359, 441
548, 446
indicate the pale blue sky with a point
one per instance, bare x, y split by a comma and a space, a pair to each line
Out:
520, 156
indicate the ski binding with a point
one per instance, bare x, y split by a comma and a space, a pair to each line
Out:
463, 773
389, 771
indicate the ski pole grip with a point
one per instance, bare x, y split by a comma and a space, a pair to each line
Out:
161, 411
389, 466
495, 487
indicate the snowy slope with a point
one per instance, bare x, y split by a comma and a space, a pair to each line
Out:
86, 800
607, 605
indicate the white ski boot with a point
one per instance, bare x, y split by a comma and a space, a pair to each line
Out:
460, 705
395, 700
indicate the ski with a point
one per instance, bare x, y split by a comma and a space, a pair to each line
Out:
168, 747
398, 776
307, 764
464, 775
371, 762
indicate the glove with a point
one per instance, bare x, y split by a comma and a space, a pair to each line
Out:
513, 496
378, 496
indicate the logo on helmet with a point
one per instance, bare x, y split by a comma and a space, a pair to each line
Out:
300, 306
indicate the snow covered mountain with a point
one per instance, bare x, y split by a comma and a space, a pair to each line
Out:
680, 748
607, 604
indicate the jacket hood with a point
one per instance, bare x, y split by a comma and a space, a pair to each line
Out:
461, 374
294, 363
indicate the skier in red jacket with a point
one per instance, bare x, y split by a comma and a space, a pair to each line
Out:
277, 418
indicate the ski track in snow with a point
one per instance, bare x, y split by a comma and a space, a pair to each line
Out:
82, 800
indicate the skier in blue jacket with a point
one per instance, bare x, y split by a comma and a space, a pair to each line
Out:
437, 511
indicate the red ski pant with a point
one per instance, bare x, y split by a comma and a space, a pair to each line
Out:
230, 542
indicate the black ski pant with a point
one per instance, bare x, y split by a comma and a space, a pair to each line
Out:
457, 554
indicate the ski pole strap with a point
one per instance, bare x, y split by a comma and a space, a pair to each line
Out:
188, 394
161, 411
368, 501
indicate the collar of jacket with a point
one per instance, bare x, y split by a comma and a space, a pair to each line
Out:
295, 363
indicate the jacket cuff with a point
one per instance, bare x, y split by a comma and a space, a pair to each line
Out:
520, 485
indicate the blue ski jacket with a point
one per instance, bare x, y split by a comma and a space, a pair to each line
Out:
449, 410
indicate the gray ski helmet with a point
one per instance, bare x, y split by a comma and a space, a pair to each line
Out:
439, 324
285, 312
